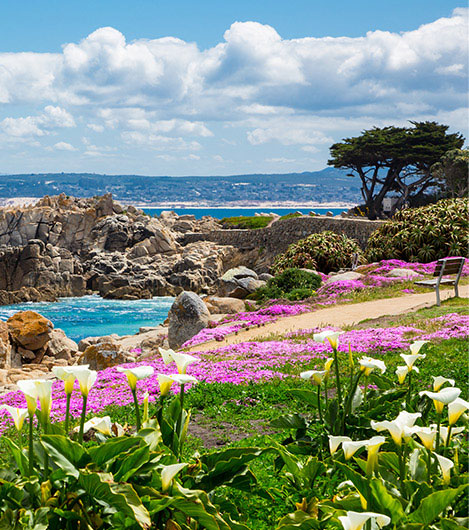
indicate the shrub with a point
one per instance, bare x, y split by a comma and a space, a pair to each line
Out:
325, 251
246, 222
423, 234
292, 284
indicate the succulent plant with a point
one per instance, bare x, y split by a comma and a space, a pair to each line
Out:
325, 251
423, 234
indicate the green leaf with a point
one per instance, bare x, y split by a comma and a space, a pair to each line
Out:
65, 454
289, 421
384, 502
121, 497
130, 463
433, 505
298, 520
112, 448
21, 461
361, 483
307, 396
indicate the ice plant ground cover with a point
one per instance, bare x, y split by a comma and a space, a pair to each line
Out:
373, 283
250, 362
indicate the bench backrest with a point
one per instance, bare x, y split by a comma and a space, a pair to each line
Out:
448, 266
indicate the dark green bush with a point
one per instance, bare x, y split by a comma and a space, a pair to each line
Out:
325, 251
292, 284
423, 234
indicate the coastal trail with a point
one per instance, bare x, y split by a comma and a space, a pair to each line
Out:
337, 316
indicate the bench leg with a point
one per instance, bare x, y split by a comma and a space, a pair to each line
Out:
438, 302
456, 290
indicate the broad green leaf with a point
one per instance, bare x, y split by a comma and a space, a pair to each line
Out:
298, 521
307, 396
21, 461
433, 505
361, 483
289, 421
384, 502
112, 448
130, 463
121, 497
61, 452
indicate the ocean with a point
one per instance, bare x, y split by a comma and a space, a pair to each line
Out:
93, 316
220, 213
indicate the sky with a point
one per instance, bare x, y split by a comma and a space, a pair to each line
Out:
217, 88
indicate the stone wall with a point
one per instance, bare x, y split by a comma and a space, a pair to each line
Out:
279, 235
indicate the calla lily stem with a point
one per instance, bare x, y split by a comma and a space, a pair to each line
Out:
337, 376
179, 422
137, 410
67, 414
319, 403
31, 449
82, 419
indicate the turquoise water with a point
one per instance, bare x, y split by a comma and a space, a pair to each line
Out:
92, 315
219, 213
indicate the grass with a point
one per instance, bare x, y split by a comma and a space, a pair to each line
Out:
291, 215
246, 222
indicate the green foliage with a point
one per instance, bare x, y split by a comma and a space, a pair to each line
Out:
291, 284
325, 251
291, 215
423, 234
246, 222
394, 159
452, 172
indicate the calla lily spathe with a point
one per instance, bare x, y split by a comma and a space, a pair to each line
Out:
102, 425
444, 397
398, 426
410, 359
335, 441
331, 336
416, 346
86, 379
37, 389
439, 381
18, 415
168, 473
357, 520
446, 465
165, 382
136, 374
402, 371
427, 435
317, 376
367, 364
455, 409
329, 361
182, 360
68, 375
350, 448
444, 431
184, 379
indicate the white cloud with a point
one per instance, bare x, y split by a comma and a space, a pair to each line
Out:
64, 146
39, 125
95, 127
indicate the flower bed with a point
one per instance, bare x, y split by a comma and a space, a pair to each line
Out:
242, 363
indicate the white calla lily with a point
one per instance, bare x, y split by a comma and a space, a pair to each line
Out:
350, 448
86, 379
328, 362
402, 371
165, 383
18, 415
446, 465
444, 397
183, 360
427, 435
167, 355
416, 346
367, 364
439, 381
335, 441
184, 379
372, 446
397, 426
168, 473
136, 374
37, 389
455, 409
68, 375
357, 520
331, 336
102, 425
410, 359
317, 376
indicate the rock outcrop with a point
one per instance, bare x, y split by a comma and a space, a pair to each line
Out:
64, 246
187, 316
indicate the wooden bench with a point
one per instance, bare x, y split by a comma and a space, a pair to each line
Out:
445, 267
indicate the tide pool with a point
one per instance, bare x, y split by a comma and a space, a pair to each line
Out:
92, 315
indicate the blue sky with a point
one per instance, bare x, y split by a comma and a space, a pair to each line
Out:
215, 87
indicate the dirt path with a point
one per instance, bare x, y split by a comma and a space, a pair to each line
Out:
338, 315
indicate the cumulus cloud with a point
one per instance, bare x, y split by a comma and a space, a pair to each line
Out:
167, 94
64, 146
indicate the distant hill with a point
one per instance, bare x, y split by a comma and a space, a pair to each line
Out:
327, 185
